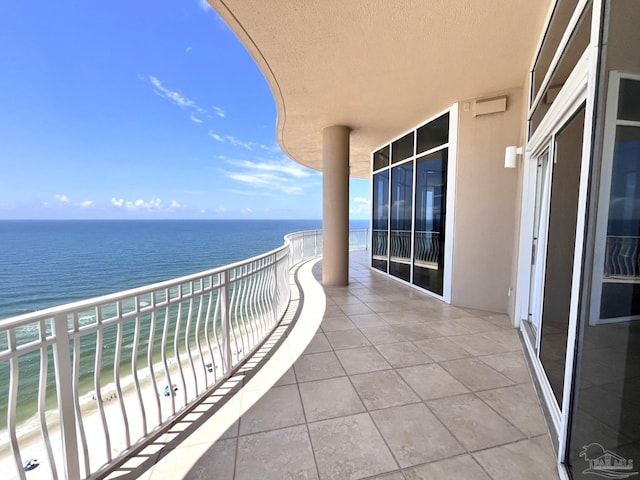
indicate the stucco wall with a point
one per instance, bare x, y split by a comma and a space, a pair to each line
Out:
486, 207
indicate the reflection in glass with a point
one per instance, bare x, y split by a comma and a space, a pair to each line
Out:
400, 247
381, 158
607, 387
577, 44
433, 134
379, 247
402, 148
431, 174
563, 213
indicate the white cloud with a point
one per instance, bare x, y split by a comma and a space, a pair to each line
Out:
284, 166
204, 5
218, 111
230, 139
282, 176
153, 204
362, 201
88, 204
217, 137
195, 119
246, 211
221, 209
174, 205
62, 198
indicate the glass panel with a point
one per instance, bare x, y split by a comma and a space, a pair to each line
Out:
607, 410
561, 237
537, 247
433, 134
380, 220
381, 158
577, 44
402, 148
559, 20
401, 195
430, 215
629, 105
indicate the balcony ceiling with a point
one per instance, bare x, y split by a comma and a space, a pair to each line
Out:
380, 67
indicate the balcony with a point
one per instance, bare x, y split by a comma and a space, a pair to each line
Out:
374, 380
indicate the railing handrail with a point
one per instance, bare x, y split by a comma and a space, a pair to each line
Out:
30, 317
250, 297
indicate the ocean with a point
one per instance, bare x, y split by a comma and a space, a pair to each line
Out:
49, 263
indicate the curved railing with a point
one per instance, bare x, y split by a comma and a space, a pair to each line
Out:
85, 383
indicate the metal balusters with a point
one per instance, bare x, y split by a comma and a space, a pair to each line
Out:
42, 395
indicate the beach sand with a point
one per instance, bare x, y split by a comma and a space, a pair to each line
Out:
157, 407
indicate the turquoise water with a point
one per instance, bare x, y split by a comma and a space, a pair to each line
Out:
49, 263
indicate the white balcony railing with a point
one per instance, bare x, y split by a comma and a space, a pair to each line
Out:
87, 382
426, 247
622, 258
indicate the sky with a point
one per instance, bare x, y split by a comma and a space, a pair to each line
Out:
140, 109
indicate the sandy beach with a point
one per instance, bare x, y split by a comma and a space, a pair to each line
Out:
157, 409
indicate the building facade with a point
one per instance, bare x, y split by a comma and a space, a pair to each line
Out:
502, 141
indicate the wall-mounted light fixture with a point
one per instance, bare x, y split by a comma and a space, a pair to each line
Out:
510, 154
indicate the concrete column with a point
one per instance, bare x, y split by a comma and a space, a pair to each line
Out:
335, 205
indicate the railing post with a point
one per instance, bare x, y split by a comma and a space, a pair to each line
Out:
64, 387
226, 322
315, 243
366, 240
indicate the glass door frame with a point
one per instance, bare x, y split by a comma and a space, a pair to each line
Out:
579, 90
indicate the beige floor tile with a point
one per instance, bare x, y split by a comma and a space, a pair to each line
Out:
473, 422
342, 339
382, 335
350, 448
403, 354
475, 325
447, 328
518, 404
318, 343
415, 435
509, 339
356, 309
336, 323
403, 317
476, 344
279, 407
381, 306
288, 378
388, 476
510, 364
475, 374
276, 455
431, 381
219, 458
333, 311
317, 366
531, 459
441, 349
232, 431
368, 320
416, 332
463, 467
330, 398
383, 389
362, 360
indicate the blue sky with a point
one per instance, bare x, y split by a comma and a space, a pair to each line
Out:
141, 109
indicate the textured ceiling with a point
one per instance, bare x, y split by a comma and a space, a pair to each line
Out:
380, 67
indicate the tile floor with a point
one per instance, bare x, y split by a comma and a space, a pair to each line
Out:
394, 385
